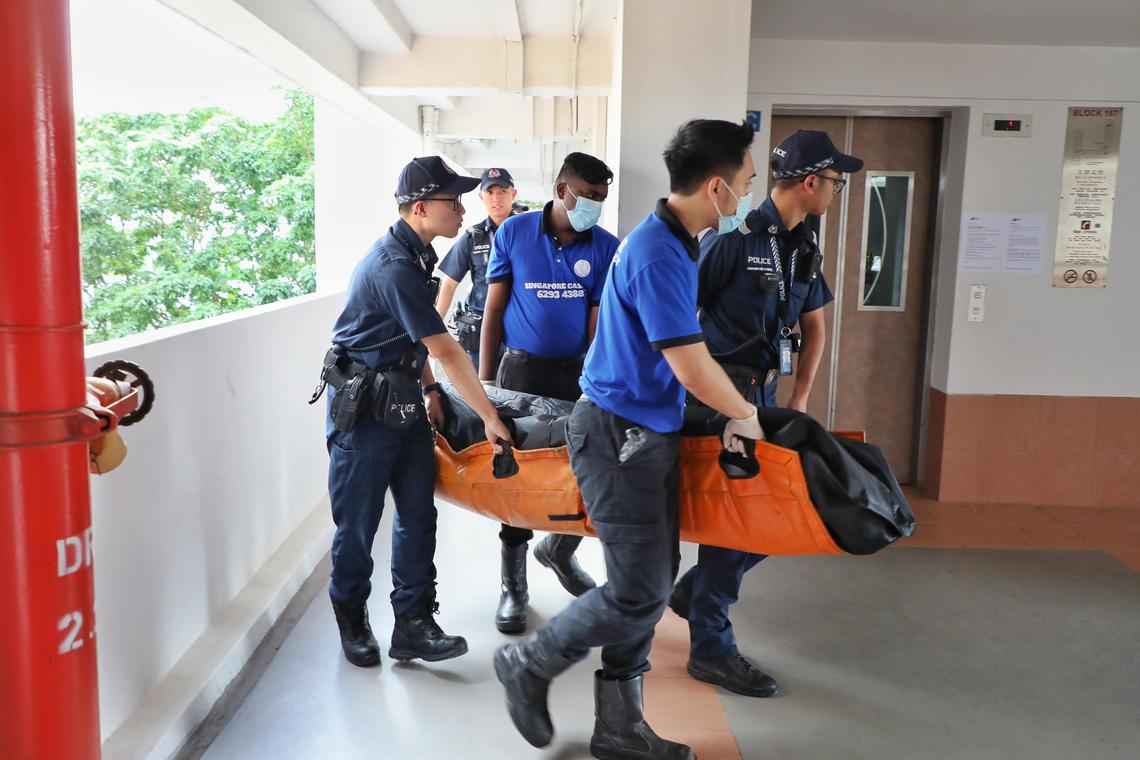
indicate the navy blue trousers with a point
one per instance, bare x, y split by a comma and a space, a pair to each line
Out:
713, 584
363, 464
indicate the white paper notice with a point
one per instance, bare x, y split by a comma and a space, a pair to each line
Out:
1002, 243
983, 242
1025, 245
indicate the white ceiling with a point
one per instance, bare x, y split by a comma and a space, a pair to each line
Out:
1091, 23
365, 23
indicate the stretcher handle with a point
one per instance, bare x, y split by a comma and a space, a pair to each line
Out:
503, 464
740, 466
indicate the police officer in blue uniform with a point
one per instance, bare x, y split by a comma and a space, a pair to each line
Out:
383, 402
545, 280
470, 255
758, 285
625, 446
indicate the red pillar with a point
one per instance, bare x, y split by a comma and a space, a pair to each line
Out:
48, 688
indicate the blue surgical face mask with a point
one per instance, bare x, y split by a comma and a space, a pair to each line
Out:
585, 214
726, 224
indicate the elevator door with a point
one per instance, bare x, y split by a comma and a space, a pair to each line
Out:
876, 241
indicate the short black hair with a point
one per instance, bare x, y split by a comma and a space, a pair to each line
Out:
404, 208
584, 166
702, 148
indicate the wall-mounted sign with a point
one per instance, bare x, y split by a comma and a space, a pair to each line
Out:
1088, 196
753, 119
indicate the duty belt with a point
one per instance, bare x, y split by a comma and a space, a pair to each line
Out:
569, 361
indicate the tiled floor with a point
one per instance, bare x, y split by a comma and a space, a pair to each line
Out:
997, 631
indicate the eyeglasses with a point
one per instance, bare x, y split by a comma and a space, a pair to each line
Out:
455, 202
839, 182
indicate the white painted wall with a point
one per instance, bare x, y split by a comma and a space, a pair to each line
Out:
223, 470
1035, 339
357, 166
691, 62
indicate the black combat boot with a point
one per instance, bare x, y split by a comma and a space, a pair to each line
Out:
526, 670
556, 551
360, 647
682, 597
620, 730
416, 635
511, 615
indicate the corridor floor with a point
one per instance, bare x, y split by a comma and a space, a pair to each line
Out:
997, 631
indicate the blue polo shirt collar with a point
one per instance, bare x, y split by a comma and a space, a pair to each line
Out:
665, 214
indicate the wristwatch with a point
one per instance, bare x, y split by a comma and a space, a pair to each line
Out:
433, 387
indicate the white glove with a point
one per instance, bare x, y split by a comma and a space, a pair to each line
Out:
749, 427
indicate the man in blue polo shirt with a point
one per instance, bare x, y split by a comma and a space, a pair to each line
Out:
379, 433
544, 281
756, 285
625, 446
471, 254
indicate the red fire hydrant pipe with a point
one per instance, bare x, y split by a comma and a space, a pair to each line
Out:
48, 688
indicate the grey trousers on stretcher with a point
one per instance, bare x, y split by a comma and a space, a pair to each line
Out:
632, 499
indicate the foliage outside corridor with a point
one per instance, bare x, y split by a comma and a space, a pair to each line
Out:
190, 215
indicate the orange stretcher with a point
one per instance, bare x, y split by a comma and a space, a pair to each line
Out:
771, 513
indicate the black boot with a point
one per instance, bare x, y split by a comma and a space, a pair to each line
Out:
416, 635
682, 598
620, 730
511, 615
556, 551
360, 647
525, 670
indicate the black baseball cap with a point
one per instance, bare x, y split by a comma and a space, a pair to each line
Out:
430, 175
492, 177
808, 152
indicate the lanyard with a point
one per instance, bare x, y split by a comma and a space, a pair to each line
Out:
778, 265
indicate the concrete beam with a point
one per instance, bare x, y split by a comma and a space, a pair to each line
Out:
300, 42
396, 22
538, 119
487, 65
505, 16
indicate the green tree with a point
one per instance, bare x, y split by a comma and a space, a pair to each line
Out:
190, 215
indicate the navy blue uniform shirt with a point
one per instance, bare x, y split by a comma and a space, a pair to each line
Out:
471, 253
649, 304
553, 287
741, 322
389, 300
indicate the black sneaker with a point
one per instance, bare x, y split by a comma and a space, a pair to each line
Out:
735, 674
